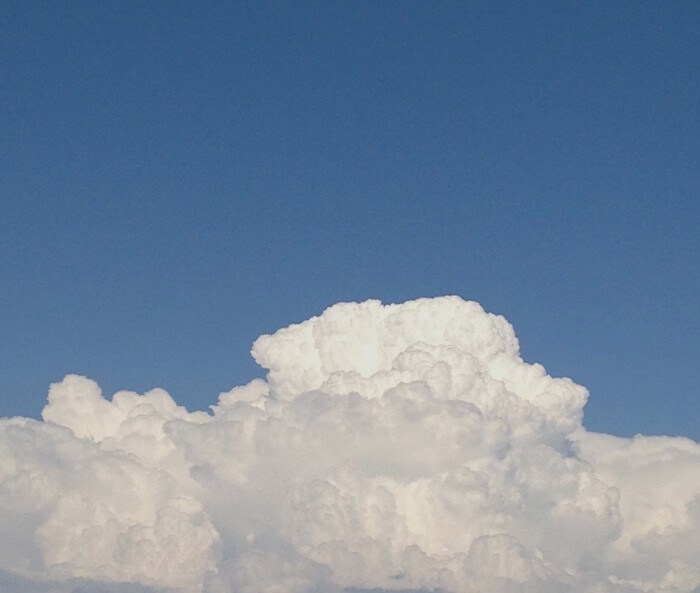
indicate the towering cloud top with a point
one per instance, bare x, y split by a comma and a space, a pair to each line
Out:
398, 447
365, 338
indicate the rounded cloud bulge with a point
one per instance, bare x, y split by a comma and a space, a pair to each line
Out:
401, 447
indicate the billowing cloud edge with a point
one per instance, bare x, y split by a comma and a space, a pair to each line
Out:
391, 447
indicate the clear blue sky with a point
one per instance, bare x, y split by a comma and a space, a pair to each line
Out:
177, 178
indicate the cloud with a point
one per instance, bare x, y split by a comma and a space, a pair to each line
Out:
391, 447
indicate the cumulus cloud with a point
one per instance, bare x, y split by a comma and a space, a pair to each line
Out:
391, 447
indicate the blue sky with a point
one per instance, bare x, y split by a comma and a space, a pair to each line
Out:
178, 178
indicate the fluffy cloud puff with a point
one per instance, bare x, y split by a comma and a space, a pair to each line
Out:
399, 447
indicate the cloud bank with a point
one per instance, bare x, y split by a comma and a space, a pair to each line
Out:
392, 447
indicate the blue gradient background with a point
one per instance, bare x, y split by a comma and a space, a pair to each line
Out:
177, 178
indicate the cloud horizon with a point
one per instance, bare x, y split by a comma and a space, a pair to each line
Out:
403, 447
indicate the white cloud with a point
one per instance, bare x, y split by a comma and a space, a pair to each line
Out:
400, 447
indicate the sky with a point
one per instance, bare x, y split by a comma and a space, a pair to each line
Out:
180, 178
349, 297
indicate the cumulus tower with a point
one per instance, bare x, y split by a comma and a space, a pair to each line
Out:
390, 447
